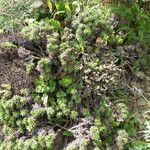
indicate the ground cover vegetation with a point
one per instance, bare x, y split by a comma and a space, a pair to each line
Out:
80, 77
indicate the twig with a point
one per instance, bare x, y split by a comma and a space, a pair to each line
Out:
57, 125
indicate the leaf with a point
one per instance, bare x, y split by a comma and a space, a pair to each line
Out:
63, 7
55, 24
80, 41
6, 86
141, 35
68, 133
120, 40
40, 89
61, 94
49, 3
66, 81
52, 86
68, 10
50, 112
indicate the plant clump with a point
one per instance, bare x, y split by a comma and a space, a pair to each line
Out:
82, 53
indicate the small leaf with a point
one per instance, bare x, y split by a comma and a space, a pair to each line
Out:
68, 10
63, 7
55, 24
66, 81
52, 86
68, 133
81, 42
61, 94
49, 3
141, 35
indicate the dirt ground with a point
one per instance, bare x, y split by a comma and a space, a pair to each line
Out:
12, 69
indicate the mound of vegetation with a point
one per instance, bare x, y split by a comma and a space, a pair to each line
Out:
87, 60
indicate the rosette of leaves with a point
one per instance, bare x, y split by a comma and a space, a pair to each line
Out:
29, 67
69, 60
104, 128
67, 34
96, 130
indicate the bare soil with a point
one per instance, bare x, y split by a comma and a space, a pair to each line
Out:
12, 69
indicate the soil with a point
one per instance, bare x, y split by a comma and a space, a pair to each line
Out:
12, 69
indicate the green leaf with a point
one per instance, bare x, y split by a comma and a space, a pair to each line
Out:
141, 35
56, 24
50, 112
52, 86
61, 94
81, 42
40, 88
68, 10
68, 133
120, 40
63, 7
66, 81
49, 3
